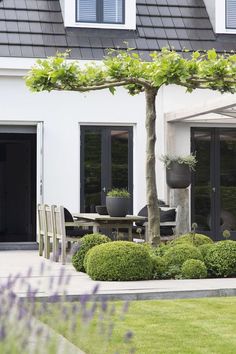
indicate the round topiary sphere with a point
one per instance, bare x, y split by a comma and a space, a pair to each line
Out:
193, 239
159, 267
193, 269
178, 254
220, 260
204, 249
84, 245
119, 260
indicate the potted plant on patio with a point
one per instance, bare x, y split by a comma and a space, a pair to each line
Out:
178, 170
117, 202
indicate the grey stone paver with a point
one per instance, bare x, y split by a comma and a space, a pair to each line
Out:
14, 262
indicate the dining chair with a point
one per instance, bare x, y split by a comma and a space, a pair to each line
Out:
50, 232
41, 227
60, 232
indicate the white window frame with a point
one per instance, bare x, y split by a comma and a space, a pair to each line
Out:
220, 18
69, 12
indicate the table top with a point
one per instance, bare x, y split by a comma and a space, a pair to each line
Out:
98, 217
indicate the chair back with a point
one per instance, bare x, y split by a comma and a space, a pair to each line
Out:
41, 220
59, 220
49, 221
60, 230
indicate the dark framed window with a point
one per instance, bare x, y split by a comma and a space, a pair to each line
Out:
100, 11
230, 14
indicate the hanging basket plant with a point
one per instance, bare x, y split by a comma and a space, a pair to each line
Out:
178, 170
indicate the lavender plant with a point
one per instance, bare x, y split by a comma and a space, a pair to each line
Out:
25, 323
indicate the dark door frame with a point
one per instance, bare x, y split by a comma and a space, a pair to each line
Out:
106, 160
214, 133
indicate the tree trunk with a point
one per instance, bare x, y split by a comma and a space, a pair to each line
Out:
151, 189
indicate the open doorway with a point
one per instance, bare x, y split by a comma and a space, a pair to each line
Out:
17, 187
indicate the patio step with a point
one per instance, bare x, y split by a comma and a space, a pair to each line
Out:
8, 246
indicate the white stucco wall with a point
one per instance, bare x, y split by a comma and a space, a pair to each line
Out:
62, 114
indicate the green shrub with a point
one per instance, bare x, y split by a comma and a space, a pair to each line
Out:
160, 250
221, 259
159, 267
175, 257
119, 260
204, 249
194, 239
193, 269
84, 245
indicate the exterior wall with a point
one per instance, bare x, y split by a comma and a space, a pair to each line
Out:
62, 114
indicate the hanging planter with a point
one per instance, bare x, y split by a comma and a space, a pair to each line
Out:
117, 202
178, 170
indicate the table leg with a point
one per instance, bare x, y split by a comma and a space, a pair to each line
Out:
130, 233
95, 229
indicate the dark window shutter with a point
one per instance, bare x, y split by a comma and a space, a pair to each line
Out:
113, 11
86, 10
231, 14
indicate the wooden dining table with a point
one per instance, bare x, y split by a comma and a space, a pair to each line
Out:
97, 221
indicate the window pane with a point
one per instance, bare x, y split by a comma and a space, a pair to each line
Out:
92, 169
231, 13
119, 158
201, 188
113, 11
86, 10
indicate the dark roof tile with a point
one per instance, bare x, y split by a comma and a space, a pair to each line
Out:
35, 28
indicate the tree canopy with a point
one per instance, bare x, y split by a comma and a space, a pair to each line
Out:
207, 70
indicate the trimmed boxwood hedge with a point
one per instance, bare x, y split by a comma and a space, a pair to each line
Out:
204, 249
193, 269
221, 259
193, 239
84, 245
159, 267
119, 260
178, 254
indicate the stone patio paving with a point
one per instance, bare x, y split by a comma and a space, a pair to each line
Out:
46, 276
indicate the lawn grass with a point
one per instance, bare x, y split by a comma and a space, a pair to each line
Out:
166, 326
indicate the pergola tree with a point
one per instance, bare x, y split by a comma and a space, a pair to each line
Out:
207, 70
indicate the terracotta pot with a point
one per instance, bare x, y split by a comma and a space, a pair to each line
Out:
117, 206
178, 175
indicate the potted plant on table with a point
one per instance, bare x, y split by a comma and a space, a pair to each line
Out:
178, 170
117, 202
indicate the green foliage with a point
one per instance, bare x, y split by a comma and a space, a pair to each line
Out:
84, 245
193, 239
204, 249
119, 260
159, 267
189, 160
175, 257
160, 250
221, 259
126, 68
116, 192
194, 269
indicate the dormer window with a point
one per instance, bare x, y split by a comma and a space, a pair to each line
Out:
222, 14
230, 13
110, 14
101, 11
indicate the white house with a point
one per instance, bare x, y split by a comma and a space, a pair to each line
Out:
70, 148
